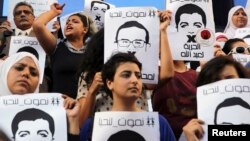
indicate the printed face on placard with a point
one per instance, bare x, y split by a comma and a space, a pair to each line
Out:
232, 119
132, 37
37, 130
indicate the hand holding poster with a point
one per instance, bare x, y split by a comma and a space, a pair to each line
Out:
139, 125
34, 117
134, 30
191, 32
227, 101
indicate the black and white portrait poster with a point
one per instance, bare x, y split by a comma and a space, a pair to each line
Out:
96, 10
134, 30
227, 102
39, 6
191, 32
31, 45
33, 117
140, 125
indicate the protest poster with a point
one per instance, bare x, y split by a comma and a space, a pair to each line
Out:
96, 10
34, 117
225, 102
192, 31
142, 125
134, 30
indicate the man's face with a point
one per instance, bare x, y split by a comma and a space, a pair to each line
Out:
127, 41
190, 23
232, 118
37, 130
23, 17
99, 8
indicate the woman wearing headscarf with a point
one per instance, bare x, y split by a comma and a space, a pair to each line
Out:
237, 18
19, 74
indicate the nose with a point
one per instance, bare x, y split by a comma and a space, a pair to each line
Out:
134, 79
26, 73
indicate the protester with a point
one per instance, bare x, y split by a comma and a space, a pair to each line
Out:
20, 73
237, 18
218, 68
67, 54
122, 77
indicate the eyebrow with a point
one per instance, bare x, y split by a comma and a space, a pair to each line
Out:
39, 131
198, 23
25, 131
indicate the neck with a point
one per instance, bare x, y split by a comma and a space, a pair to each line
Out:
124, 105
180, 66
76, 43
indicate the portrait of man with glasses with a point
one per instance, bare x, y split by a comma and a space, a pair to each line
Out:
128, 41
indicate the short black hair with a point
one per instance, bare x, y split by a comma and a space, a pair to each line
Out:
100, 2
129, 24
30, 50
189, 9
23, 3
126, 135
232, 101
32, 114
110, 67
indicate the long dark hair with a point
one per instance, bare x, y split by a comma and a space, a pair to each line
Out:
93, 57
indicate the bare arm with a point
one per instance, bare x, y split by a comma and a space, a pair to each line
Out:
88, 103
47, 40
167, 64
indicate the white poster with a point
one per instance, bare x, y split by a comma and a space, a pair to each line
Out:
243, 33
33, 117
31, 45
96, 10
192, 29
140, 125
39, 6
242, 58
226, 101
134, 30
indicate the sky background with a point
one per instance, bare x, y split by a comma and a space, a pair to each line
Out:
77, 5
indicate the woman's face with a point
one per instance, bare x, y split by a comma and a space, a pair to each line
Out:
239, 18
23, 77
228, 72
127, 81
74, 26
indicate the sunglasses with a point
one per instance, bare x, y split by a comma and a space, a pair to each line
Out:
241, 50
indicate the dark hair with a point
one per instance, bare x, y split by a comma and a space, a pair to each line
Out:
230, 102
110, 67
32, 114
126, 135
132, 24
100, 2
23, 3
211, 70
189, 9
93, 58
30, 50
229, 44
86, 22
